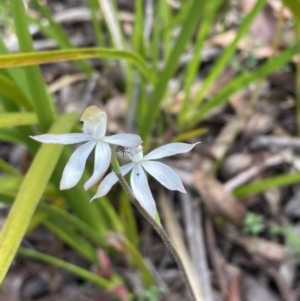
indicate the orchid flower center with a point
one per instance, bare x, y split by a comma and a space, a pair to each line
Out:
94, 122
136, 154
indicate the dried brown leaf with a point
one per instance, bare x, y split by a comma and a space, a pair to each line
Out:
264, 26
217, 200
267, 249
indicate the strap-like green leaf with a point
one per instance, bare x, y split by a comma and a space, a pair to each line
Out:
9, 89
29, 195
240, 83
188, 27
82, 273
259, 186
43, 104
36, 58
17, 119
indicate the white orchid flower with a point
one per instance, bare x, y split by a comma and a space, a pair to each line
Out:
94, 129
138, 179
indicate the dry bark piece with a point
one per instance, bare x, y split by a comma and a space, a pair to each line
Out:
217, 200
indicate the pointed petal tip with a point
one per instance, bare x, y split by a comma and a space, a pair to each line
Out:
88, 184
96, 196
181, 189
35, 137
64, 186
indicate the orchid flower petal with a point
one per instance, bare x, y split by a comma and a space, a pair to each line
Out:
169, 150
141, 190
74, 169
100, 129
102, 161
111, 179
70, 138
126, 140
164, 174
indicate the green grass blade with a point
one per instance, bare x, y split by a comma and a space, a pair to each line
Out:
44, 106
11, 136
7, 168
165, 14
110, 15
256, 187
138, 33
240, 83
9, 185
154, 47
95, 8
56, 32
17, 119
181, 16
139, 262
109, 213
194, 65
17, 75
128, 220
80, 272
72, 239
29, 195
187, 30
9, 89
228, 52
72, 221
294, 6
45, 57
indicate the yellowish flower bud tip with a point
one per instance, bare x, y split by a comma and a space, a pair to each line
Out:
91, 112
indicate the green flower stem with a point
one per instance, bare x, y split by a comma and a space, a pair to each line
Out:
158, 228
80, 272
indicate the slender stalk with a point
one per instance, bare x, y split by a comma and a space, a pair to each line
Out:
297, 25
157, 227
